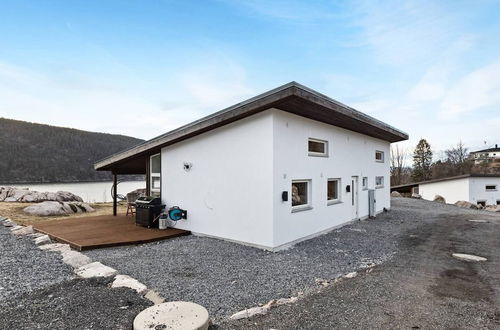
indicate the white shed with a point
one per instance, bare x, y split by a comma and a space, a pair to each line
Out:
478, 189
276, 169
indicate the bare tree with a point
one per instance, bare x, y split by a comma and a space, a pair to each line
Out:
457, 157
398, 157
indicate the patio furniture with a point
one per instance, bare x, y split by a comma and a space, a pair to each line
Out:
131, 206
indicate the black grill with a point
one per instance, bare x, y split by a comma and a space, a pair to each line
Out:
147, 209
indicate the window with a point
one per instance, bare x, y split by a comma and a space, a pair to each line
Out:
491, 187
379, 156
318, 147
155, 175
379, 182
365, 183
482, 203
333, 191
498, 202
301, 194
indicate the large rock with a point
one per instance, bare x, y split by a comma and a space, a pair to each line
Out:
49, 208
492, 208
9, 194
466, 205
395, 194
415, 195
439, 199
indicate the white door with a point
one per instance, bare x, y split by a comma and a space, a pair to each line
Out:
354, 197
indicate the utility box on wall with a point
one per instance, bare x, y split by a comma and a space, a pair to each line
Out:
371, 203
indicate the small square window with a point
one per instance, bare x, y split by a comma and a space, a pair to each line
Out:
379, 182
498, 202
318, 147
491, 187
365, 183
333, 191
379, 156
301, 194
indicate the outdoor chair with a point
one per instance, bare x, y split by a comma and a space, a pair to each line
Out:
131, 198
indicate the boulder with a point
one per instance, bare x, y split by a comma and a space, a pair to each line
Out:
439, 199
9, 194
4, 193
396, 194
466, 205
66, 196
49, 208
415, 195
492, 208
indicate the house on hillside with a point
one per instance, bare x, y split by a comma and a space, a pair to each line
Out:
481, 189
486, 155
270, 171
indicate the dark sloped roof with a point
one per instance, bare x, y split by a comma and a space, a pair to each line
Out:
292, 97
487, 150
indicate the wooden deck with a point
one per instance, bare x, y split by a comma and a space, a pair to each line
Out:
102, 231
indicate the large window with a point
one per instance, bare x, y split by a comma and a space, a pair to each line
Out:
333, 191
379, 156
318, 147
491, 187
155, 175
379, 182
301, 194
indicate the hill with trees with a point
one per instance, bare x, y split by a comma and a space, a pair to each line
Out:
36, 153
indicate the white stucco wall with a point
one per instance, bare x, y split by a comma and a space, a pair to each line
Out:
228, 191
451, 190
477, 188
350, 154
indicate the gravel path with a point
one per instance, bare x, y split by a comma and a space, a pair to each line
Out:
24, 268
227, 277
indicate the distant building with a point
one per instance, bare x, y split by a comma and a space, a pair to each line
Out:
481, 189
486, 155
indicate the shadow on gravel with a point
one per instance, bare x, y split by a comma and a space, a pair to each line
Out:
74, 304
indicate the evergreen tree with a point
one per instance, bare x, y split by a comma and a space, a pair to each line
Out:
422, 160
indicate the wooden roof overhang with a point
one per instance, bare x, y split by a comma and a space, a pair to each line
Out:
292, 97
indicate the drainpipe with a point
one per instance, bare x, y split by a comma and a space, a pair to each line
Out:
114, 193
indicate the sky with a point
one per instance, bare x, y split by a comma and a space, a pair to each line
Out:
142, 68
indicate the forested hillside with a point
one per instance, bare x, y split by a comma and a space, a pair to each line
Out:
32, 153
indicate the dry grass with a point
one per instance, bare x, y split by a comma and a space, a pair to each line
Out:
15, 212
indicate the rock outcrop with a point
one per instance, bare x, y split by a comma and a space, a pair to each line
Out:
396, 194
49, 208
10, 194
466, 205
439, 199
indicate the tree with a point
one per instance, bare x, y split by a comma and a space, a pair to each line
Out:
457, 157
398, 157
422, 161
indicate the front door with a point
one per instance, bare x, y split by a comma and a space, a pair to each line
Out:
354, 197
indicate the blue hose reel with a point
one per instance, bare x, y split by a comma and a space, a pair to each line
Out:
175, 213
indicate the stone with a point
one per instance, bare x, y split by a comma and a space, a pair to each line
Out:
16, 227
415, 195
154, 297
173, 315
18, 194
351, 275
49, 208
74, 258
45, 239
479, 221
9, 194
24, 231
95, 269
8, 223
58, 247
396, 194
439, 199
246, 313
125, 281
492, 208
466, 205
468, 257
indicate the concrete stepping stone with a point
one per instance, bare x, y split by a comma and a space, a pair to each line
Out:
468, 257
479, 221
125, 281
24, 231
173, 315
95, 269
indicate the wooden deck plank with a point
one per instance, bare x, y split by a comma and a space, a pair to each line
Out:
102, 231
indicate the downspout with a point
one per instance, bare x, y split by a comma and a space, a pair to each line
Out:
115, 193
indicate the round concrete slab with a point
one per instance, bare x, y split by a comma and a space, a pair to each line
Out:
468, 257
480, 221
173, 315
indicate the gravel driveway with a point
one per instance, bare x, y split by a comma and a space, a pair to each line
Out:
227, 277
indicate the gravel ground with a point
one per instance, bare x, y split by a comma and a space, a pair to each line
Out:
24, 268
73, 304
227, 277
421, 287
